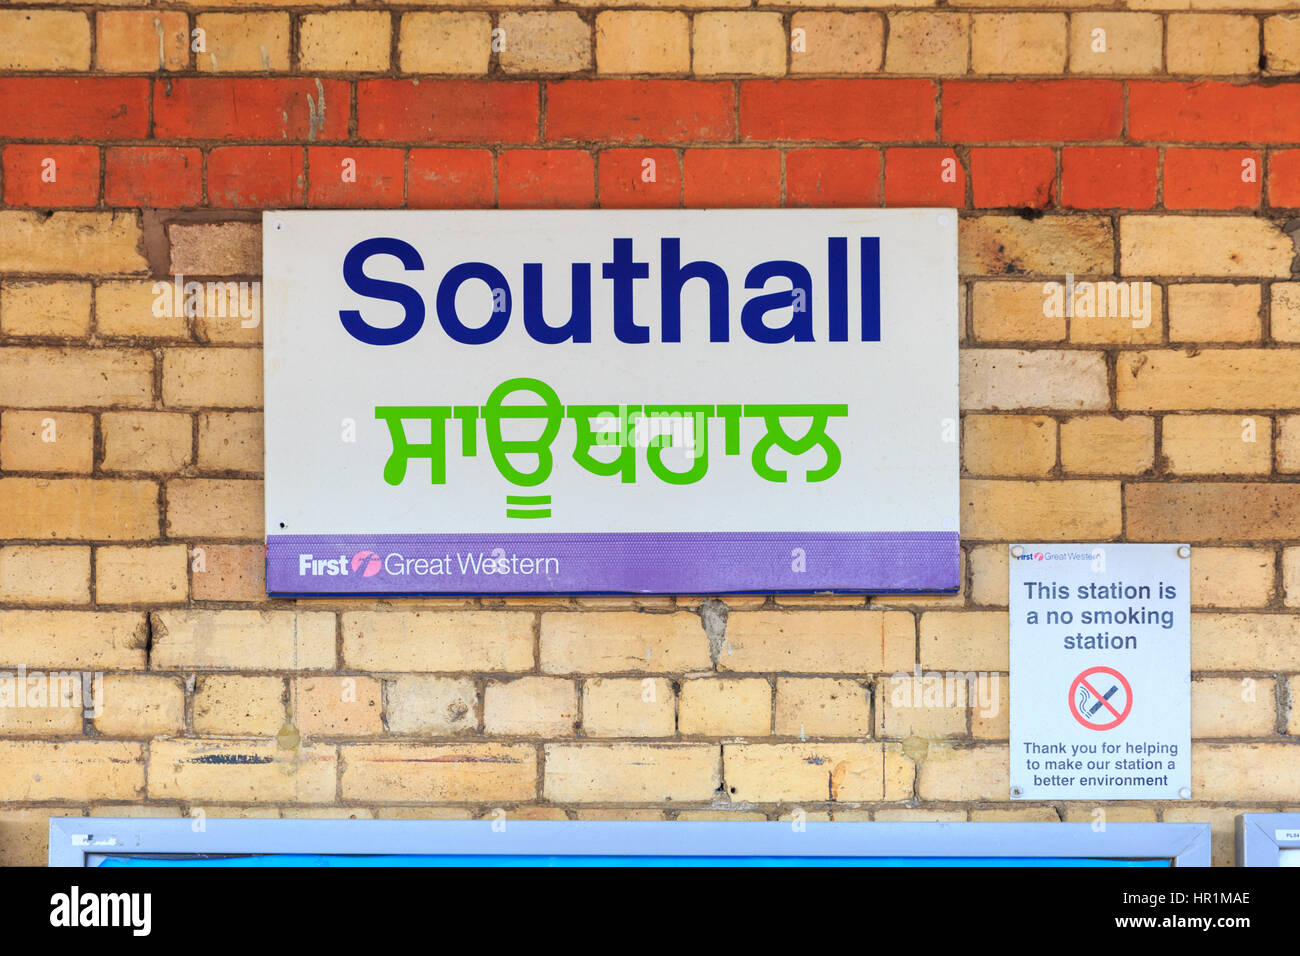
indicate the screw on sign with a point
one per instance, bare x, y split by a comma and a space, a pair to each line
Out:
1101, 698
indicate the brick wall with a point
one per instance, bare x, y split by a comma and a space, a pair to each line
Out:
1146, 141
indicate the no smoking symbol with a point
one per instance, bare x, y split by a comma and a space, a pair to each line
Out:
1100, 698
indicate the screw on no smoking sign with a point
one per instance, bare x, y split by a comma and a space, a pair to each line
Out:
1100, 671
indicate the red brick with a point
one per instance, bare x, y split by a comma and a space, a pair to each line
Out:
1213, 113
1010, 176
1211, 179
254, 176
640, 111
74, 108
914, 177
447, 111
838, 110
832, 177
75, 171
736, 178
1109, 177
250, 109
546, 178
162, 177
450, 179
1032, 111
622, 179
1284, 178
380, 177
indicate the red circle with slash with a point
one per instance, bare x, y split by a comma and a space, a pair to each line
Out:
1103, 704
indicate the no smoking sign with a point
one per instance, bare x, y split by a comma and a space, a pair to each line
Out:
1099, 709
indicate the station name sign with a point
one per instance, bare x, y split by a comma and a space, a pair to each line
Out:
611, 401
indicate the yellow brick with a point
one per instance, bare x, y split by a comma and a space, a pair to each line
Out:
1050, 245
822, 707
73, 770
630, 813
1014, 312
1284, 312
39, 703
743, 43
62, 508
614, 641
1018, 42
964, 640
1293, 692
154, 442
716, 707
720, 816
135, 810
208, 377
141, 41
1109, 813
1107, 445
834, 772
792, 642
338, 706
1117, 312
1229, 707
86, 640
243, 640
44, 40
544, 43
51, 442
216, 248
243, 706
1291, 577
1217, 444
906, 815
989, 577
928, 43
1219, 769
956, 773
1171, 379
241, 771
228, 572
632, 773
44, 575
435, 706
837, 42
352, 41
455, 43
1282, 43
243, 42
1043, 378
155, 575
231, 441
1129, 43
125, 307
438, 641
51, 378
1212, 44
1015, 445
25, 836
45, 308
215, 508
1211, 246
141, 705
932, 705
1214, 312
1046, 510
643, 41
990, 708
628, 707
452, 773
1231, 577
71, 243
1020, 814
530, 706
1245, 642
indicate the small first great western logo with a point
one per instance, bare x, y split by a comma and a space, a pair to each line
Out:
75, 908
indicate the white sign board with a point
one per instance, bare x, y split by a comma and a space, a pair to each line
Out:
1100, 672
611, 401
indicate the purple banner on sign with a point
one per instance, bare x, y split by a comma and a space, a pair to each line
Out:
612, 562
